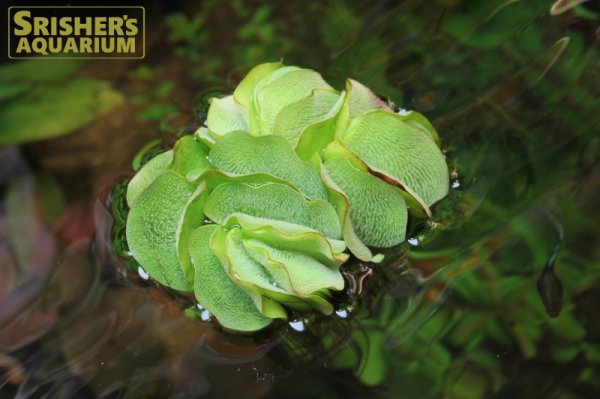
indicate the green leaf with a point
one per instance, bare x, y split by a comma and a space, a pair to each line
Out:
270, 282
471, 384
326, 251
399, 151
146, 153
204, 135
192, 217
267, 284
242, 154
377, 209
307, 275
283, 87
244, 92
418, 121
249, 222
157, 112
272, 201
296, 237
373, 368
154, 225
215, 291
359, 99
314, 138
297, 116
271, 308
39, 71
10, 90
246, 270
273, 279
567, 327
54, 110
292, 237
276, 74
146, 175
189, 155
213, 178
226, 115
342, 207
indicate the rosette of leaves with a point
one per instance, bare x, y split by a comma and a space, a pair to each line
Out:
244, 224
376, 164
253, 213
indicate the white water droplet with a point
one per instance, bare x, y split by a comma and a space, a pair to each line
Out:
298, 325
403, 111
413, 241
143, 274
455, 184
343, 313
205, 315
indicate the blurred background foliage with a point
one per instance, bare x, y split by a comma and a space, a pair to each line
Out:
499, 295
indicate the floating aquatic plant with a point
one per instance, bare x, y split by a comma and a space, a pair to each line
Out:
254, 212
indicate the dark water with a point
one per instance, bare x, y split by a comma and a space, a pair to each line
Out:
496, 297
